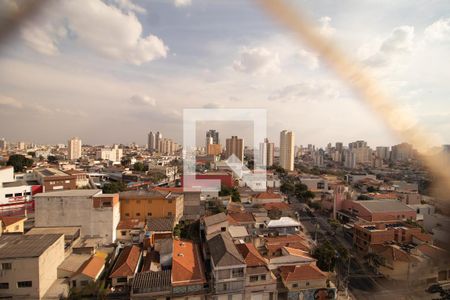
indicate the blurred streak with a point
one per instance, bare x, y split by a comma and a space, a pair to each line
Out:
404, 125
19, 12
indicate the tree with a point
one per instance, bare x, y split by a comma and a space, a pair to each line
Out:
274, 214
126, 161
113, 187
52, 159
326, 256
140, 167
19, 162
334, 224
374, 260
233, 192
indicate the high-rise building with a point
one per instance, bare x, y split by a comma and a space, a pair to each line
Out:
214, 149
266, 153
349, 159
339, 146
382, 152
113, 154
287, 141
158, 142
212, 137
402, 152
2, 144
74, 146
363, 153
151, 144
235, 146
21, 146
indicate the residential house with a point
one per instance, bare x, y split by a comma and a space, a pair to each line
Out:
228, 268
284, 225
126, 266
306, 282
215, 224
88, 273
267, 197
245, 219
131, 230
260, 282
158, 229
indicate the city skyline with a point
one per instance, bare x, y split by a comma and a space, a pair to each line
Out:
253, 63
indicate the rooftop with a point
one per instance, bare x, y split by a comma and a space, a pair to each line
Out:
251, 255
160, 224
126, 262
9, 220
147, 194
283, 222
302, 272
223, 251
187, 266
26, 246
376, 206
69, 232
149, 281
215, 219
70, 193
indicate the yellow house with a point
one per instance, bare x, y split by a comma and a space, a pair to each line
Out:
12, 224
144, 204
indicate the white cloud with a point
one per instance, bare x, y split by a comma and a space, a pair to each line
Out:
309, 59
98, 26
9, 102
142, 100
311, 91
325, 26
399, 42
438, 31
257, 60
180, 3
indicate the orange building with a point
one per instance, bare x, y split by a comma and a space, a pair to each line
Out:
143, 205
214, 149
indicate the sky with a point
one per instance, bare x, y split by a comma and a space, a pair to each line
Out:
111, 71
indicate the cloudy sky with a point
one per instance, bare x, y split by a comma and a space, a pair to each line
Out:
110, 71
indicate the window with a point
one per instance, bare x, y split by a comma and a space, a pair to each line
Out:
138, 214
24, 284
8, 195
253, 278
149, 214
6, 266
127, 214
307, 283
169, 214
84, 282
74, 283
223, 229
17, 194
170, 201
4, 285
263, 277
107, 204
123, 232
238, 272
122, 279
294, 285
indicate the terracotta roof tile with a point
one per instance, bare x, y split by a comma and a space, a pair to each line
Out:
187, 266
277, 205
93, 267
268, 195
302, 272
251, 255
126, 262
11, 220
240, 217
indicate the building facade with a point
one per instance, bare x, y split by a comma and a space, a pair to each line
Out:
287, 142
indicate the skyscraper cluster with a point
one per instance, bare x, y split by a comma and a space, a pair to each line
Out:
157, 144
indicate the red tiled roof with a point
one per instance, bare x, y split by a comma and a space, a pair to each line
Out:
268, 195
432, 251
92, 267
187, 266
251, 255
276, 205
302, 272
11, 220
377, 196
126, 262
240, 217
292, 241
169, 189
130, 224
